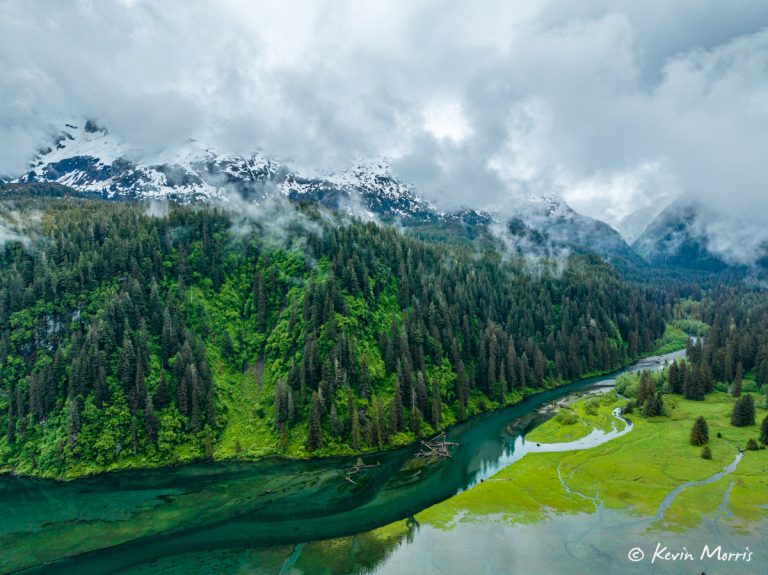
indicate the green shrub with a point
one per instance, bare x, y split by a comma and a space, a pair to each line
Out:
591, 406
566, 417
626, 385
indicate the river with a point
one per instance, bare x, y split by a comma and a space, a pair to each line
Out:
124, 521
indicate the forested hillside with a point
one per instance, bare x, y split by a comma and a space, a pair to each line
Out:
134, 336
734, 350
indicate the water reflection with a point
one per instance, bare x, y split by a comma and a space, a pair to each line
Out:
572, 544
578, 544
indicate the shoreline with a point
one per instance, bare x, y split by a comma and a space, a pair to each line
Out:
10, 473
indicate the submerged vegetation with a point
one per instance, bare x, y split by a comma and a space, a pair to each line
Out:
133, 336
633, 473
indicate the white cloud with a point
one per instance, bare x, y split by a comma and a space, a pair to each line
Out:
446, 121
614, 104
616, 195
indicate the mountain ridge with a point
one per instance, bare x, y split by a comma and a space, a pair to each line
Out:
678, 237
87, 158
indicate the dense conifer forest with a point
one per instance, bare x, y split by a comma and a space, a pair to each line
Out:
733, 352
134, 336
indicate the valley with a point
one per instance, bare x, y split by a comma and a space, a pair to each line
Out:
380, 288
218, 506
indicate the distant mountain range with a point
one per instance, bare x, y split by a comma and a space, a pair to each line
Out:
88, 158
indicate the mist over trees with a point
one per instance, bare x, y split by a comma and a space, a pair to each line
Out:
124, 335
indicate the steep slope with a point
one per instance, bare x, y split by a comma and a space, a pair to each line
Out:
634, 224
129, 338
561, 223
674, 239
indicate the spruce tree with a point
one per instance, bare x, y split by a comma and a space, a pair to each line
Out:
675, 380
355, 431
700, 431
415, 419
436, 403
397, 406
764, 431
749, 410
151, 424
743, 414
739, 375
335, 426
315, 428
654, 406
646, 389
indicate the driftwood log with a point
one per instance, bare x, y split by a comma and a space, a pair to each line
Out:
357, 468
436, 449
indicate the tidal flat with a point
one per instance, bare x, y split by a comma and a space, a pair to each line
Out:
586, 511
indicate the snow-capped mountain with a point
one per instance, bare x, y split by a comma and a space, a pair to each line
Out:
90, 159
551, 215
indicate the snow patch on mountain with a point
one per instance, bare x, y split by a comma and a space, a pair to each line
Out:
89, 158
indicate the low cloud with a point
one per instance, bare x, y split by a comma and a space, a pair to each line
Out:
274, 221
17, 226
736, 238
538, 255
157, 209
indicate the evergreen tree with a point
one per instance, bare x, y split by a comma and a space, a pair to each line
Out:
162, 396
397, 407
646, 389
335, 426
415, 419
739, 374
151, 424
355, 430
654, 406
462, 389
315, 429
700, 432
73, 422
436, 403
675, 379
743, 414
764, 431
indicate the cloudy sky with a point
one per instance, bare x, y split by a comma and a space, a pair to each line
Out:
615, 105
